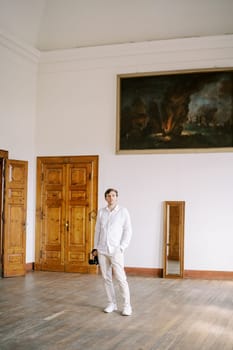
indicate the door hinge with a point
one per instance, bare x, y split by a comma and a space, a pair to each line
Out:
41, 215
41, 253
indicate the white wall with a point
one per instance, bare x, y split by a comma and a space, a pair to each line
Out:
18, 83
75, 102
77, 116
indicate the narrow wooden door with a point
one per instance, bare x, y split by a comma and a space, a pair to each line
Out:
66, 210
14, 218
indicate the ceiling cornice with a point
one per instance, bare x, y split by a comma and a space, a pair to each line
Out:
19, 47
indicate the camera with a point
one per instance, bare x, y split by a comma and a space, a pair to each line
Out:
93, 259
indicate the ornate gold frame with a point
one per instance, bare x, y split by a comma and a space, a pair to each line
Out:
151, 111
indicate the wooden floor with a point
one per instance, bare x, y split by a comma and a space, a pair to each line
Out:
49, 310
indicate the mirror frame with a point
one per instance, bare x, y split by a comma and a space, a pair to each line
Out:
166, 223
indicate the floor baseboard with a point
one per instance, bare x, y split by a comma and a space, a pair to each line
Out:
158, 272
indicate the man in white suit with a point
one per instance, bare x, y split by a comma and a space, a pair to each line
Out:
113, 233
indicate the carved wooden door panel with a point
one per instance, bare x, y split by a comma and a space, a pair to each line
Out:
78, 201
14, 222
67, 200
52, 217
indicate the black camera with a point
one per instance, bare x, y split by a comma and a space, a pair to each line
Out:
93, 260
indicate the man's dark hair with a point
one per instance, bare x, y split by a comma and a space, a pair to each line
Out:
110, 190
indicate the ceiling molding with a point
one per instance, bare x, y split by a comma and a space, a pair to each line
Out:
19, 47
140, 48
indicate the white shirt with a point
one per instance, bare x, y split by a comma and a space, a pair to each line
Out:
113, 230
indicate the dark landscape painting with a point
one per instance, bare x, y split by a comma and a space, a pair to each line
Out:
175, 111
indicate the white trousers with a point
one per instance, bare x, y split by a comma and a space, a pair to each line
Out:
114, 264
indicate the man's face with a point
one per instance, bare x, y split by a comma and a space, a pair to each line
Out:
111, 198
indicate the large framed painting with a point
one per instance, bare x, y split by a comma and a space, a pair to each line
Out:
170, 112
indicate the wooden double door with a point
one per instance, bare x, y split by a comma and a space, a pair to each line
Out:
66, 212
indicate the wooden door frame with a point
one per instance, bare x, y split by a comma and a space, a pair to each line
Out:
63, 159
3, 157
166, 243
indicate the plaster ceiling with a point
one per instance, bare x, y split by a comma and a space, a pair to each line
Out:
64, 24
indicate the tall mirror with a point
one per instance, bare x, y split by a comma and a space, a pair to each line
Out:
174, 212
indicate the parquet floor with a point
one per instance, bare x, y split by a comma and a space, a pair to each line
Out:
63, 311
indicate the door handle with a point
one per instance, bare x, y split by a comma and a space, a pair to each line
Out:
67, 226
92, 215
